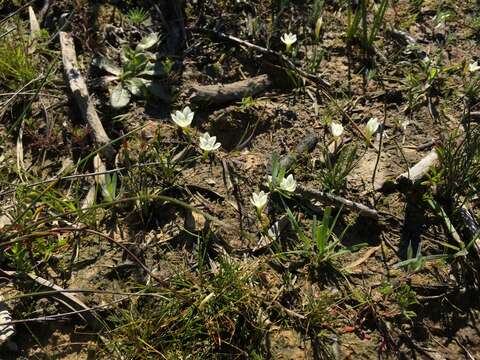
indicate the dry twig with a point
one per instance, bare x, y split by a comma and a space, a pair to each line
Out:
80, 93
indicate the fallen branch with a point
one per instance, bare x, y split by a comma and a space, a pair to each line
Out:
418, 172
414, 175
224, 93
339, 201
307, 144
80, 93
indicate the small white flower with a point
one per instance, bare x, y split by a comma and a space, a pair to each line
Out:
289, 39
318, 26
473, 67
288, 184
372, 126
259, 200
183, 118
336, 129
209, 143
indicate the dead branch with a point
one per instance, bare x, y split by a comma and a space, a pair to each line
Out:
80, 93
224, 93
413, 176
338, 201
418, 172
307, 144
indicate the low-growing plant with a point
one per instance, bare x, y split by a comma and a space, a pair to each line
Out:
17, 65
416, 5
474, 25
406, 298
321, 245
459, 154
277, 182
36, 246
197, 316
422, 84
333, 174
138, 74
440, 21
138, 16
358, 27
402, 296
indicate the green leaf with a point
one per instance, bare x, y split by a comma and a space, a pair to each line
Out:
120, 97
147, 42
135, 86
105, 64
155, 69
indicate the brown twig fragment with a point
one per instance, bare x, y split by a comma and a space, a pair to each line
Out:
224, 93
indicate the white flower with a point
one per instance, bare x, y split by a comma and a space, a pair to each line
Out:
208, 143
372, 126
318, 26
183, 118
288, 39
473, 67
288, 184
259, 200
269, 180
336, 129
